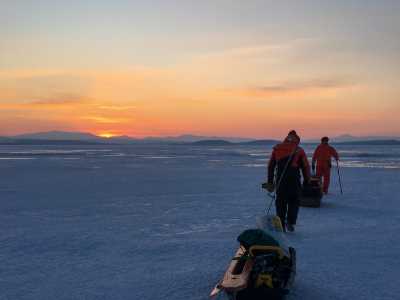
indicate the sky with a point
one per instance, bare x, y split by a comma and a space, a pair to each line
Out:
223, 68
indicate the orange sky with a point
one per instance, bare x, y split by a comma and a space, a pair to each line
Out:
254, 85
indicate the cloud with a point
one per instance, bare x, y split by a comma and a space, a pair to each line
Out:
306, 85
60, 99
117, 107
266, 50
316, 87
55, 102
43, 88
106, 120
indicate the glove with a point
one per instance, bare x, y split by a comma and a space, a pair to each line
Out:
270, 187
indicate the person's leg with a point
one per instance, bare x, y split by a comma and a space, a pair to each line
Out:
293, 209
321, 172
281, 208
327, 179
318, 172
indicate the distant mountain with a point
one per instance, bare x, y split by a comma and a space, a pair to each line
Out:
58, 135
212, 143
345, 138
123, 139
4, 140
188, 138
352, 138
7, 141
83, 136
372, 142
226, 143
65, 137
260, 142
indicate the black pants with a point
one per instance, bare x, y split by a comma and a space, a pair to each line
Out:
287, 208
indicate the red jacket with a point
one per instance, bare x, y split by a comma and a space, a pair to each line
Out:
323, 154
289, 159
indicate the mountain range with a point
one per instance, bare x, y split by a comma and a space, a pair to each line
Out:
65, 137
83, 137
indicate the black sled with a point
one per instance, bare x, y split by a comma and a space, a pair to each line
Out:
311, 194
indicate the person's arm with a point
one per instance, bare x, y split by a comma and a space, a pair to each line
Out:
334, 153
305, 166
314, 158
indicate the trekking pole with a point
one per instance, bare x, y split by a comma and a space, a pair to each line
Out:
273, 194
270, 203
340, 180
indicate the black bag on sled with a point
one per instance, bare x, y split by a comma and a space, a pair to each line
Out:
311, 193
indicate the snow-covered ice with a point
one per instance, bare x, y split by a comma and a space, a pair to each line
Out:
160, 222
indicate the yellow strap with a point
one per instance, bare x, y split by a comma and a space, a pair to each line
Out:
270, 248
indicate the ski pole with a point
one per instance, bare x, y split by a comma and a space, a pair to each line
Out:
270, 203
340, 180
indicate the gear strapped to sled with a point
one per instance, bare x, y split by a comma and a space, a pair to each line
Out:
311, 193
262, 266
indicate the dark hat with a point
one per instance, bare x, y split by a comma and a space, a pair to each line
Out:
293, 137
325, 139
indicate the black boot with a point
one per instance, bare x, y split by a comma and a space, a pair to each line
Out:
290, 227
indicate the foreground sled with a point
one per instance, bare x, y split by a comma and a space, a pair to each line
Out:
311, 194
263, 266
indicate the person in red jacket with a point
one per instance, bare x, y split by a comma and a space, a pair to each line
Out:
322, 156
288, 159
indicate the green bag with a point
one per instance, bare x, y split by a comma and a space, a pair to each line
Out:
251, 237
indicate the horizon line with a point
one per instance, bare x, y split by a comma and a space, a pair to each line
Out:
111, 136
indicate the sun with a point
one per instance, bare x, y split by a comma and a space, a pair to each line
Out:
106, 135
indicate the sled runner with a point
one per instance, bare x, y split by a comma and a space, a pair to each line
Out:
263, 266
311, 194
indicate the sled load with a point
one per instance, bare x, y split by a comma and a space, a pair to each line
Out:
262, 268
311, 193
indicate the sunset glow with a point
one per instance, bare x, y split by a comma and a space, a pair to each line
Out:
107, 135
113, 71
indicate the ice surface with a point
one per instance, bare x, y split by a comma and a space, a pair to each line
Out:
160, 222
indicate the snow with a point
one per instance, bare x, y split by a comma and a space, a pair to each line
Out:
160, 222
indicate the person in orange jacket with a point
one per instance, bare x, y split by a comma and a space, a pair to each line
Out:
322, 157
288, 158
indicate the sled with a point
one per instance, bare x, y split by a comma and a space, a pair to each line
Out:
263, 266
237, 275
311, 193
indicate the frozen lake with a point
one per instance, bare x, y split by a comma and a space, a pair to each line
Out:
160, 222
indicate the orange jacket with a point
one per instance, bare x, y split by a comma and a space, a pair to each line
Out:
323, 154
289, 158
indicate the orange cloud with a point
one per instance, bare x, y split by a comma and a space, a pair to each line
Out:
117, 107
106, 120
300, 90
